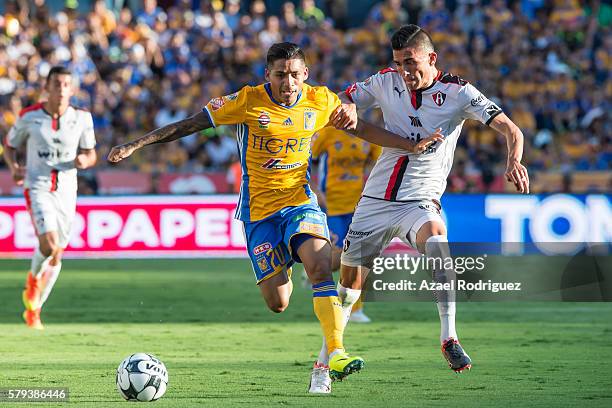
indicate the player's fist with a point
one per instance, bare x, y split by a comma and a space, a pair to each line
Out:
18, 174
344, 117
120, 152
516, 173
426, 143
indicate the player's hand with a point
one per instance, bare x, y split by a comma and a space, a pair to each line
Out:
428, 141
18, 173
516, 173
81, 161
344, 117
121, 152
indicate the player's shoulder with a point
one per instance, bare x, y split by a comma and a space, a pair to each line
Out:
31, 110
384, 76
451, 79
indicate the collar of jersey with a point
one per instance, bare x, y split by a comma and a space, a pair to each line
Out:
269, 91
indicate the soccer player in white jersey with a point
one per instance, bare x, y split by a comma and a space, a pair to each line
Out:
59, 139
401, 196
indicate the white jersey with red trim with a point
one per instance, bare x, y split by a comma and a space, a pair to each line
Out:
52, 145
446, 104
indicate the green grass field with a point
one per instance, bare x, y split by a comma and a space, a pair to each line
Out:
205, 319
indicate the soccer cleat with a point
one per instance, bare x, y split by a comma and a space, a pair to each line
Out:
342, 365
32, 319
31, 294
457, 359
359, 317
320, 381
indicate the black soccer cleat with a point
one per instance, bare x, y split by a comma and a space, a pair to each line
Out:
457, 359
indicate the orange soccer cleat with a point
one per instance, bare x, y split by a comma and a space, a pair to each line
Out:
31, 294
32, 319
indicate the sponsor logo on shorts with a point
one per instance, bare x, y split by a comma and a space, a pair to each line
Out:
312, 228
347, 245
358, 234
262, 248
430, 208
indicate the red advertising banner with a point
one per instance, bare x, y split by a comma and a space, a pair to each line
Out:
135, 226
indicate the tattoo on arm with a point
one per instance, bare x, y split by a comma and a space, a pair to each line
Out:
176, 130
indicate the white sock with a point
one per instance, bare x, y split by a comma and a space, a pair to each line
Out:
49, 276
37, 262
348, 297
436, 247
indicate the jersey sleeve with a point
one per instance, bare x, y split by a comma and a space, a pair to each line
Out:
477, 106
367, 93
229, 109
88, 138
17, 135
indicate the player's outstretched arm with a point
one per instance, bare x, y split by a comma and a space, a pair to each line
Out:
384, 138
168, 133
516, 173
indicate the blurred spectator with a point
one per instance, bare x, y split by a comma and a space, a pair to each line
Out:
545, 62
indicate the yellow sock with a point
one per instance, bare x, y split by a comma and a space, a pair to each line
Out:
328, 309
358, 305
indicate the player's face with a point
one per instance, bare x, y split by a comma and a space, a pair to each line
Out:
60, 88
286, 79
416, 66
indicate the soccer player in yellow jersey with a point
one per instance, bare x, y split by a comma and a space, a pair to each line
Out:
343, 161
283, 223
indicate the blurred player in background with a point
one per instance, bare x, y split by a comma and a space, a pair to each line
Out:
401, 196
343, 161
283, 223
59, 139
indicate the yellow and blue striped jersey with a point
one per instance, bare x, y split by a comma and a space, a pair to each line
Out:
274, 143
342, 164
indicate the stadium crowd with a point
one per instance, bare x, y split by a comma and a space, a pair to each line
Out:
545, 62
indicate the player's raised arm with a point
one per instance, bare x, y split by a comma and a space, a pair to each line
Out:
384, 138
168, 133
516, 173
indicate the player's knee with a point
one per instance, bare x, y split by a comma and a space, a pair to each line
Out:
277, 305
48, 247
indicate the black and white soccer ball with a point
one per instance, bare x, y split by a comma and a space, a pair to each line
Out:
142, 377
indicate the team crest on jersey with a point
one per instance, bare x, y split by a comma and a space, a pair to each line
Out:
288, 122
264, 120
310, 120
439, 98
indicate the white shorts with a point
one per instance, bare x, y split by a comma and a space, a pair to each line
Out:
376, 222
52, 211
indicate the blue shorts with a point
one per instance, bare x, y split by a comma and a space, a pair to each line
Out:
273, 242
339, 225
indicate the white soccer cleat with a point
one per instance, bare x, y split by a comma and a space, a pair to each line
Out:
320, 381
359, 317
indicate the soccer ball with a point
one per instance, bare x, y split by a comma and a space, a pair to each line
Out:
142, 377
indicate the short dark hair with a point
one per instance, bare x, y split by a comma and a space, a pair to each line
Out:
58, 70
411, 35
284, 50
